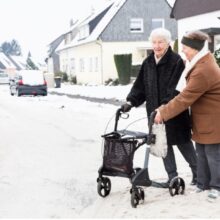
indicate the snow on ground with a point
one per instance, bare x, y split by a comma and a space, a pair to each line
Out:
108, 92
50, 153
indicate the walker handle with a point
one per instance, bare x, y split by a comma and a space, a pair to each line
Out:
151, 121
151, 137
117, 116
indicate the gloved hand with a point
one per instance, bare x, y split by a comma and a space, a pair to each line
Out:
126, 107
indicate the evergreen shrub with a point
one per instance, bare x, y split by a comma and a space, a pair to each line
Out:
123, 66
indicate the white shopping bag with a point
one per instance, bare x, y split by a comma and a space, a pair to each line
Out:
159, 149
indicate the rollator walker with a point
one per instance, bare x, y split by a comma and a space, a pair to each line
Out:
118, 153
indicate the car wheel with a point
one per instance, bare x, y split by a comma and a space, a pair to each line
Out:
10, 89
18, 93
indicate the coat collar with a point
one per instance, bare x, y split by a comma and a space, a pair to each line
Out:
201, 59
165, 57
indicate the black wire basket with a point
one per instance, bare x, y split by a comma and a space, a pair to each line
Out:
118, 153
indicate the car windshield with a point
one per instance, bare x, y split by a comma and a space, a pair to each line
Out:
32, 77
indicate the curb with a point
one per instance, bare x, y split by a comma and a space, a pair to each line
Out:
91, 99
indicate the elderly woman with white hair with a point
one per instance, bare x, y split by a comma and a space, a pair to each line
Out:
202, 93
155, 85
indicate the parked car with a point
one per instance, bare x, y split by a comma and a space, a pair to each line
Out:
28, 82
4, 78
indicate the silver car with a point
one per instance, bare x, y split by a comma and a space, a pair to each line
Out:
4, 78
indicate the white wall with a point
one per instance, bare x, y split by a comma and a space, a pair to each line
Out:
112, 48
103, 54
50, 65
64, 59
90, 55
86, 53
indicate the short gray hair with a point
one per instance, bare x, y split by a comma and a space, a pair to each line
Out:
161, 32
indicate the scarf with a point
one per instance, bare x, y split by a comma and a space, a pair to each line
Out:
189, 65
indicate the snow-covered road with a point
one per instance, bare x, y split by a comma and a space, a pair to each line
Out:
44, 150
50, 152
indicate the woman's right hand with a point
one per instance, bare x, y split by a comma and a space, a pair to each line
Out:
126, 107
158, 119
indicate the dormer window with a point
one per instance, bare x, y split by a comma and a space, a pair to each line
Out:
83, 32
136, 25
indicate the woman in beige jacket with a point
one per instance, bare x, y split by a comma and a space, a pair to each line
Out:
201, 92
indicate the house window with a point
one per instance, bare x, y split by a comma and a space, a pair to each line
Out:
64, 65
96, 64
81, 65
73, 34
136, 25
72, 65
157, 23
90, 64
63, 68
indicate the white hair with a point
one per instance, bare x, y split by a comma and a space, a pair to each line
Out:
161, 32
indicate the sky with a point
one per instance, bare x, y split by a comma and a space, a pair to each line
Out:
36, 23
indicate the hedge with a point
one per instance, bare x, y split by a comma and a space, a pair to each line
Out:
123, 66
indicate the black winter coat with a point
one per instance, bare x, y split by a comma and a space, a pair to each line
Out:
156, 85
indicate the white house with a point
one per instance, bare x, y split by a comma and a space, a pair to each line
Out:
122, 27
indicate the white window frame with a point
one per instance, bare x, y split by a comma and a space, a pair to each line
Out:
157, 20
136, 25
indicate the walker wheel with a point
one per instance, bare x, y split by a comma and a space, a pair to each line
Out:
176, 186
104, 186
142, 194
134, 199
137, 194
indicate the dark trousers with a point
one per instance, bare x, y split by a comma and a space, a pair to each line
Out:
188, 152
208, 173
